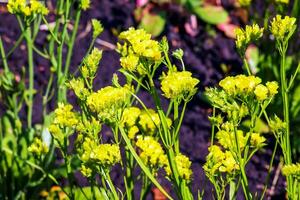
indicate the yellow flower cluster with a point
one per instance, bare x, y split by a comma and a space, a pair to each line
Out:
277, 125
21, 7
183, 166
179, 85
89, 127
107, 101
38, 147
78, 86
86, 171
141, 43
149, 121
282, 28
257, 140
151, 153
291, 170
242, 85
245, 2
227, 139
85, 4
64, 118
219, 161
97, 28
245, 37
91, 63
129, 120
137, 46
283, 1
105, 155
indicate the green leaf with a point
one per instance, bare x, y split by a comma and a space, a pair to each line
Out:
153, 23
211, 14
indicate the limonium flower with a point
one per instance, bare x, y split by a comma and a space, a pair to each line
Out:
91, 63
245, 2
129, 120
85, 4
21, 7
129, 62
152, 153
283, 28
97, 28
38, 147
105, 155
107, 101
246, 36
179, 85
272, 87
149, 122
141, 43
183, 164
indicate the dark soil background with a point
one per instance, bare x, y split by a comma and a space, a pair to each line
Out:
204, 55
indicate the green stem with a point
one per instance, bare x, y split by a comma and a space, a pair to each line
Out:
246, 65
110, 184
129, 175
31, 75
3, 56
213, 128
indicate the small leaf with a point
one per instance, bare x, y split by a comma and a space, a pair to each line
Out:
153, 23
212, 14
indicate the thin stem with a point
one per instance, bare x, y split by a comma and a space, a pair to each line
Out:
213, 128
246, 65
31, 75
3, 56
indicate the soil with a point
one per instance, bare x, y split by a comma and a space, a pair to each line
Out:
204, 55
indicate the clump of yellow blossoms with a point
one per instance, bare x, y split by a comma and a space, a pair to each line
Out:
247, 36
283, 1
244, 2
137, 46
85, 4
78, 86
151, 153
96, 155
179, 85
91, 63
129, 120
218, 161
242, 85
64, 118
89, 128
21, 7
149, 122
183, 164
108, 101
291, 170
283, 28
38, 147
277, 125
97, 28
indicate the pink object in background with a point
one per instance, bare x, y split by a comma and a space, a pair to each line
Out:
140, 3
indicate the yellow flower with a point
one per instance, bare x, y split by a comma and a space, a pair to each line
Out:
244, 2
38, 147
291, 170
86, 171
64, 116
105, 155
283, 1
229, 164
245, 37
152, 153
257, 140
85, 4
183, 164
272, 87
78, 86
91, 63
129, 120
107, 101
179, 85
261, 92
228, 141
129, 62
20, 7
97, 28
282, 28
139, 41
